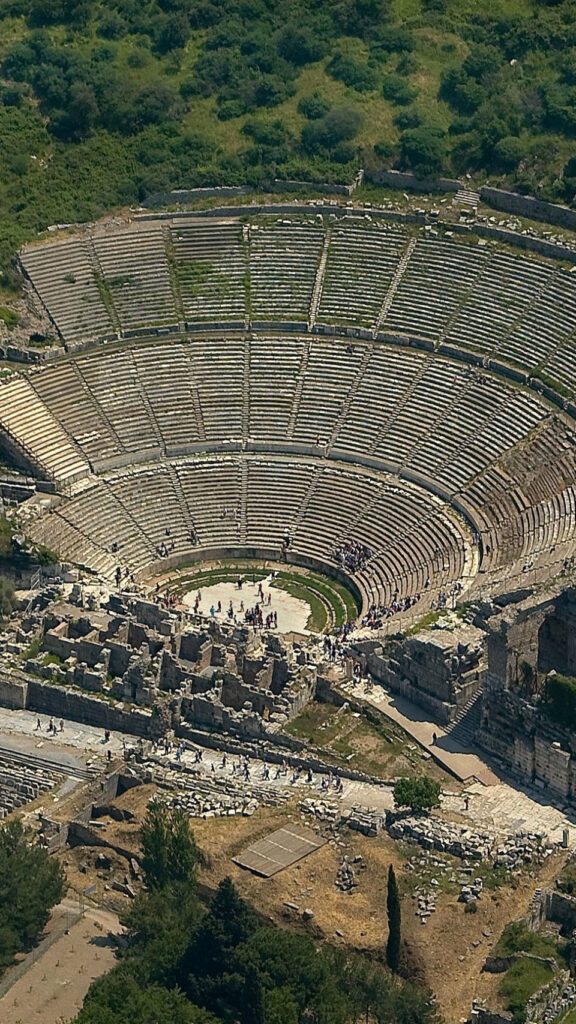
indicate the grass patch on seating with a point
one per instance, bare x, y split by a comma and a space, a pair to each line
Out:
428, 620
517, 938
345, 736
9, 316
520, 982
331, 603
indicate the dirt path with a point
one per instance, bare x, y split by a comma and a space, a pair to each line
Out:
54, 986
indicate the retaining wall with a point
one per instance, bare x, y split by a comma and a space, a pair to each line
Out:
529, 206
60, 702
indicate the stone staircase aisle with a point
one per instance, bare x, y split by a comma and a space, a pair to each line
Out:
467, 720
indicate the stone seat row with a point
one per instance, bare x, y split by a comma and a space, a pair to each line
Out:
63, 275
477, 296
136, 518
31, 427
424, 413
135, 272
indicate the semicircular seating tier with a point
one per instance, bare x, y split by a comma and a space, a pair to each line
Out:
233, 442
334, 270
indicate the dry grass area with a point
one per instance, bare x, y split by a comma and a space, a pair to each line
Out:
380, 748
446, 955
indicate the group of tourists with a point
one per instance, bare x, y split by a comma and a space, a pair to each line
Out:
377, 613
256, 616
243, 768
51, 728
351, 555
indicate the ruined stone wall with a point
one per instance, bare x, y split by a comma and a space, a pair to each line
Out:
407, 181
528, 206
541, 753
59, 702
379, 670
13, 694
88, 651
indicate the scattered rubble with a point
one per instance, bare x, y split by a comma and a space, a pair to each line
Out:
513, 852
433, 834
471, 893
346, 876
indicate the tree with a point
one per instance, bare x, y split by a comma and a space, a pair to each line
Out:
423, 150
169, 851
339, 125
417, 794
160, 925
352, 72
119, 998
509, 151
393, 910
397, 89
301, 45
174, 33
280, 1007
559, 699
31, 883
313, 106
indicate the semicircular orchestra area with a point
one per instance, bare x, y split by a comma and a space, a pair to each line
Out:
339, 393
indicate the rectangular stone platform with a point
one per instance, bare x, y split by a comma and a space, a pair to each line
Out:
278, 850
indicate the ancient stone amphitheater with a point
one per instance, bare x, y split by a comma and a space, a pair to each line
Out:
321, 373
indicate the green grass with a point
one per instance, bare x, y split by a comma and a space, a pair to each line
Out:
331, 604
344, 736
517, 938
520, 982
52, 659
8, 316
570, 1017
425, 622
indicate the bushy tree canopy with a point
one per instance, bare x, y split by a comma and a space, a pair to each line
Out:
419, 794
169, 851
31, 883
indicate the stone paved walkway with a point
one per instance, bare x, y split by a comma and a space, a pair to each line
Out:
84, 739
494, 802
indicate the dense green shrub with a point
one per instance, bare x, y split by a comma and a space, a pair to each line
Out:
559, 699
419, 794
83, 84
352, 72
397, 89
31, 883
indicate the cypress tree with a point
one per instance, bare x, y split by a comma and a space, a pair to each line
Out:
393, 908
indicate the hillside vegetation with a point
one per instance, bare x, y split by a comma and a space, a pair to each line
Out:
103, 102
